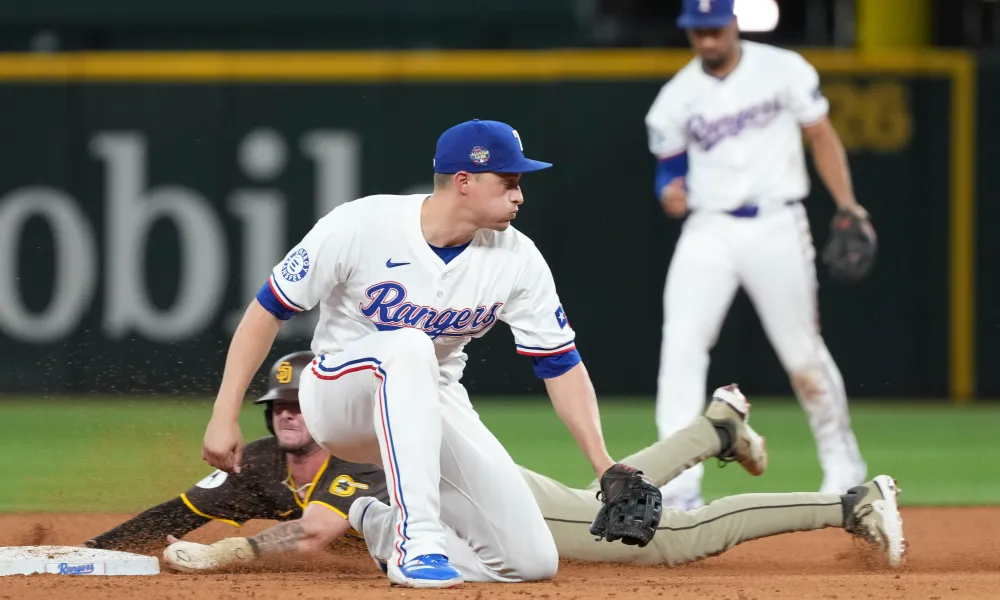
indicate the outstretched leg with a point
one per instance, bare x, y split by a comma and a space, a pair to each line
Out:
869, 512
685, 536
722, 432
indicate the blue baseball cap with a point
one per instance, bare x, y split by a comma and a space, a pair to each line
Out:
483, 147
706, 14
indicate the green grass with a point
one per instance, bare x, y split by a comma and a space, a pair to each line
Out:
941, 454
124, 455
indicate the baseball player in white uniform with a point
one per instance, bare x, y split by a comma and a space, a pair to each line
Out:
727, 132
403, 283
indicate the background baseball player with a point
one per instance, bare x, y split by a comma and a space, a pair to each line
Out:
727, 132
403, 284
285, 477
262, 490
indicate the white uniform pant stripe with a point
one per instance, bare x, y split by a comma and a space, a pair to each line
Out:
375, 367
377, 402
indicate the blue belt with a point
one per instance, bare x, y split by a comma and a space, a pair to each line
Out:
748, 211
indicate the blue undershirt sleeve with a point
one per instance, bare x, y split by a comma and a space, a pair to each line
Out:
669, 169
547, 367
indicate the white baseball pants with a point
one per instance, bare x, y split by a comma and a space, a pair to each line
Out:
772, 257
454, 489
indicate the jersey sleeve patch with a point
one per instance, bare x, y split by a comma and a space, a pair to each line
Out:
213, 480
561, 318
340, 485
296, 265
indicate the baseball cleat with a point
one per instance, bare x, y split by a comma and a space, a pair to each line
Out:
427, 571
730, 409
871, 513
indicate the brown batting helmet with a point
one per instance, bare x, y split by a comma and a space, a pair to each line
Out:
283, 382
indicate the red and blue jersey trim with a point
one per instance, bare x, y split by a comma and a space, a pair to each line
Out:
282, 296
553, 361
276, 301
543, 351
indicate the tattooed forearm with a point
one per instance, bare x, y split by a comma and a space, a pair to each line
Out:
283, 537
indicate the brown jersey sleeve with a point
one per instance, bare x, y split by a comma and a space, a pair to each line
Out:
342, 482
148, 531
235, 498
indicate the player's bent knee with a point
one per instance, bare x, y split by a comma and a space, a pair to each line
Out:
411, 343
541, 569
538, 564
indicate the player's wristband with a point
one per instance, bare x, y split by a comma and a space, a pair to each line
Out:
254, 547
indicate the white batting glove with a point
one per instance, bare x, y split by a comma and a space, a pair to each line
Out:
189, 557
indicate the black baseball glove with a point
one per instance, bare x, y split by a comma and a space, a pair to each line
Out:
850, 252
632, 507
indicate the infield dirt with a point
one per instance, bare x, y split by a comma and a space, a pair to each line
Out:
953, 553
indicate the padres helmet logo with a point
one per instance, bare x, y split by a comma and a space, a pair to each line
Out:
344, 486
285, 372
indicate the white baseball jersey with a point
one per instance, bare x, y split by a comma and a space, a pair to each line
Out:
742, 133
368, 266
